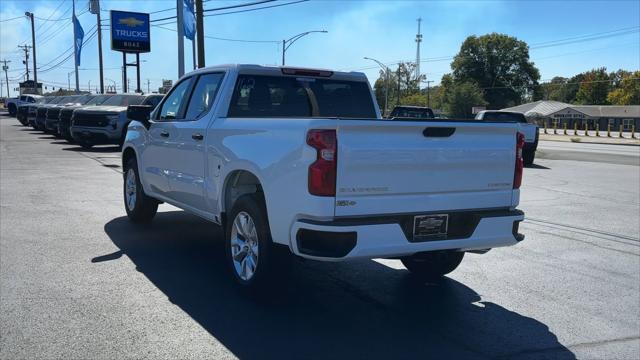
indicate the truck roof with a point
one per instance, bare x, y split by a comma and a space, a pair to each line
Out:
278, 70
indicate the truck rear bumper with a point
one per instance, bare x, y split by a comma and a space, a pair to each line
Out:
391, 236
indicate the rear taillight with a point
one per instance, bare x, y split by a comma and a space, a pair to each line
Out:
322, 173
517, 176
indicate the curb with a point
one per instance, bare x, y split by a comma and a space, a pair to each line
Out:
592, 142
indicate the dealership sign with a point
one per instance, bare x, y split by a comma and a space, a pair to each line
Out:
130, 32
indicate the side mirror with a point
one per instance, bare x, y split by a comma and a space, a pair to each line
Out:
140, 113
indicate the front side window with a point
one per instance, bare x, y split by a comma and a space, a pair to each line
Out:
203, 95
288, 96
173, 106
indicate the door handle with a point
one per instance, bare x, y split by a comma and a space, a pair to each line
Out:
197, 136
438, 131
164, 134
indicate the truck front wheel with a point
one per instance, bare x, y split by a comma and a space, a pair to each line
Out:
140, 207
432, 265
254, 261
528, 156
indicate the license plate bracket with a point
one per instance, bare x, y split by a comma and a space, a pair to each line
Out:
429, 227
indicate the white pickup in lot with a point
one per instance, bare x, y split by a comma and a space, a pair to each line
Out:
300, 161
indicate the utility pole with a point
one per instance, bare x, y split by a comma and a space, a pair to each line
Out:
148, 86
418, 41
180, 28
33, 44
75, 47
94, 8
398, 85
5, 67
26, 48
128, 83
200, 32
428, 96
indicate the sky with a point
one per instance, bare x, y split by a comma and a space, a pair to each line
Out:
566, 37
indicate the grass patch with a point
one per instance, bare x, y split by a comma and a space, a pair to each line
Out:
576, 140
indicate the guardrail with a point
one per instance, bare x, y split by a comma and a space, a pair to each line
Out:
586, 132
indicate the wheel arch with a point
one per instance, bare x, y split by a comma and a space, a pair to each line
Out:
128, 153
237, 183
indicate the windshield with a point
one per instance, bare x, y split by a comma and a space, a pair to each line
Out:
97, 100
285, 96
83, 99
412, 113
124, 100
504, 117
56, 100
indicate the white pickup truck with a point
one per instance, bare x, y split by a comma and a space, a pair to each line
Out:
529, 130
300, 161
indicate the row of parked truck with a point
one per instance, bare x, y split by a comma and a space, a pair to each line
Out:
87, 120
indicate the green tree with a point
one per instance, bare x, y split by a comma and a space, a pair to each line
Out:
460, 98
628, 91
500, 65
556, 89
594, 88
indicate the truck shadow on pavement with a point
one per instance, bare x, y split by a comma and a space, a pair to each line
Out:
359, 309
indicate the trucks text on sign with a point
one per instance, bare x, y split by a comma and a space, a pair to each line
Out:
130, 32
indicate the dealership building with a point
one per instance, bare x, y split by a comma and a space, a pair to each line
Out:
557, 113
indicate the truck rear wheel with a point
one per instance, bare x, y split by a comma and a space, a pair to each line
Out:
254, 261
13, 110
432, 265
140, 207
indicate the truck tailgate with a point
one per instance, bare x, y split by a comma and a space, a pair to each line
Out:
392, 167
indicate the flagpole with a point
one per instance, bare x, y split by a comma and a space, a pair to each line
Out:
180, 29
75, 46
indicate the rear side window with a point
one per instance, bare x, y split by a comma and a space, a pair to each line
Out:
413, 113
288, 96
504, 117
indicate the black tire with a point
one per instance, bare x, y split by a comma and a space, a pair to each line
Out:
86, 145
528, 157
272, 262
433, 265
144, 207
13, 110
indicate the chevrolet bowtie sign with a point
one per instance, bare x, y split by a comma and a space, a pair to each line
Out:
130, 32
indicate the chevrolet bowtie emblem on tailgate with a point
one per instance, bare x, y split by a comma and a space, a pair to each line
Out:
430, 223
131, 22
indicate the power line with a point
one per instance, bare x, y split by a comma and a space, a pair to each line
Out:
226, 39
550, 43
259, 8
238, 6
50, 15
15, 18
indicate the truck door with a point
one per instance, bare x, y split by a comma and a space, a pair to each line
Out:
189, 148
157, 155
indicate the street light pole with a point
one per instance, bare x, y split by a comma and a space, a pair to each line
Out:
386, 81
287, 43
69, 80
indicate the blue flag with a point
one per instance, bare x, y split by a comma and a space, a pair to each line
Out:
188, 19
79, 36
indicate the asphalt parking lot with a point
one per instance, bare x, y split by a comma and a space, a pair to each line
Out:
77, 280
